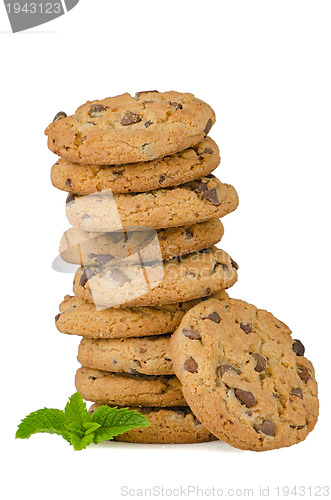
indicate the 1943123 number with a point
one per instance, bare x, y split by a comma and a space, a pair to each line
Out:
34, 8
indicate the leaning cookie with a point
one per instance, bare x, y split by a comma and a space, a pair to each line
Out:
244, 376
125, 389
196, 275
189, 203
179, 168
79, 317
126, 129
146, 355
176, 425
89, 249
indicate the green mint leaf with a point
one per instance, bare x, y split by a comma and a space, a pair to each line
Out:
46, 420
77, 426
80, 443
75, 410
90, 427
114, 421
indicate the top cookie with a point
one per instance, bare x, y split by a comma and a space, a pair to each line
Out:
126, 129
244, 376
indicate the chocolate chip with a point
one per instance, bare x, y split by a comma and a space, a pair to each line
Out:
96, 109
138, 94
246, 397
211, 195
297, 392
130, 118
92, 378
191, 334
261, 362
70, 198
68, 183
304, 373
298, 347
188, 234
208, 151
148, 123
137, 362
176, 105
224, 368
59, 116
179, 411
57, 317
117, 172
161, 179
224, 266
83, 279
207, 291
234, 264
246, 327
201, 187
208, 126
104, 258
133, 371
196, 421
85, 216
267, 427
119, 277
249, 413
191, 365
213, 317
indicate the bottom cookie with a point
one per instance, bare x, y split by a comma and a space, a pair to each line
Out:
125, 389
176, 425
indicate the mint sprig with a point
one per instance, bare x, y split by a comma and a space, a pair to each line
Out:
77, 426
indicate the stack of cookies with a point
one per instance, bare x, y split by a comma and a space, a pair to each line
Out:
145, 214
159, 332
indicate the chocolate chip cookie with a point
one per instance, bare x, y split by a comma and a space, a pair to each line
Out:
176, 425
184, 278
146, 355
79, 317
88, 249
125, 389
189, 203
179, 168
244, 376
126, 129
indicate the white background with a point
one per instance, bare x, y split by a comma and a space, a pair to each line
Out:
265, 68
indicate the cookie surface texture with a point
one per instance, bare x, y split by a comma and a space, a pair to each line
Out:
146, 355
125, 389
126, 129
244, 376
79, 317
176, 425
179, 168
190, 277
189, 203
88, 249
